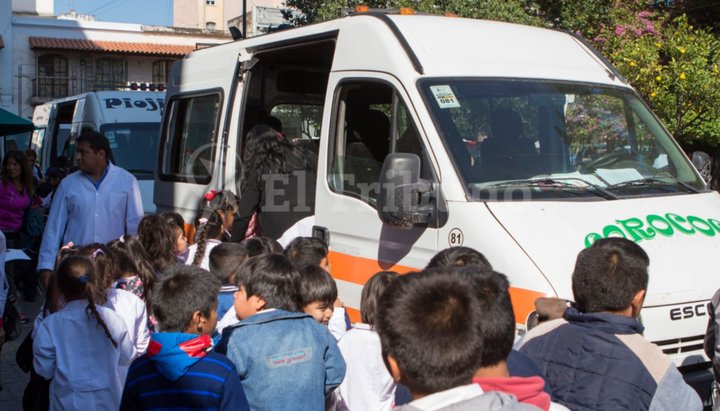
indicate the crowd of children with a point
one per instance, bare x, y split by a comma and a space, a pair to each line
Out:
144, 323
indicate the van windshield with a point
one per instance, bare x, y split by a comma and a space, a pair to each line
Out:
555, 139
134, 146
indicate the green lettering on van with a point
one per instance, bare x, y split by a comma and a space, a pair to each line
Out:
639, 229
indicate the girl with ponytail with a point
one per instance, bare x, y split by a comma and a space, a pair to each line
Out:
81, 347
128, 306
212, 226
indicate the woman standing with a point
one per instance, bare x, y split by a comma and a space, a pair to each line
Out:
16, 186
278, 183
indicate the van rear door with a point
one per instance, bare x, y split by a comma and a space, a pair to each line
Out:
194, 134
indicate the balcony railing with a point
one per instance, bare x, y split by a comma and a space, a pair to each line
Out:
46, 88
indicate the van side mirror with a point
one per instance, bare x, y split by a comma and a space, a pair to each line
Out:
405, 199
702, 162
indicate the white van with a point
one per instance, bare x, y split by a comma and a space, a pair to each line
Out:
129, 119
520, 142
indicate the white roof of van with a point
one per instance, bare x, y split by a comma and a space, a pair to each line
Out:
444, 46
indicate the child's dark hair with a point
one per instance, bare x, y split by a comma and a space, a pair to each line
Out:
183, 290
105, 268
459, 257
497, 319
76, 280
429, 322
261, 245
304, 251
174, 219
371, 293
158, 238
209, 223
316, 285
608, 274
271, 277
225, 259
131, 257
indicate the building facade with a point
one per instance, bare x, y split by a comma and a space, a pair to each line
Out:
45, 57
222, 14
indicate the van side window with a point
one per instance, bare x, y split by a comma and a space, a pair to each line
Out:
372, 121
187, 149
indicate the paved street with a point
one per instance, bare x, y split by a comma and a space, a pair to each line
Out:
12, 378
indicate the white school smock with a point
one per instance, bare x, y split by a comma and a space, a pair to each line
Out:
71, 348
367, 385
84, 214
133, 312
205, 263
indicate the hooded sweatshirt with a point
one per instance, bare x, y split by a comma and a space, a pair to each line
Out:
528, 390
180, 370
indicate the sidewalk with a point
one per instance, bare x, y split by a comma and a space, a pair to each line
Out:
12, 378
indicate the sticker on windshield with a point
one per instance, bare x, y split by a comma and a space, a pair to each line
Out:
444, 96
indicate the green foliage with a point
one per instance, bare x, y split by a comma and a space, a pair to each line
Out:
676, 71
515, 11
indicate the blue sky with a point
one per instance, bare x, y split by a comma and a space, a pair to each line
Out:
157, 12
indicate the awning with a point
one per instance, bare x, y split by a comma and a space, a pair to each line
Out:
12, 124
120, 47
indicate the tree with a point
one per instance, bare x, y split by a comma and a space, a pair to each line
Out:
514, 11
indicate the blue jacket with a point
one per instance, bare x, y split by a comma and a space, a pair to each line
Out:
180, 372
286, 360
601, 361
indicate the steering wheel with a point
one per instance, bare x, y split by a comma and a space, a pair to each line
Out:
607, 159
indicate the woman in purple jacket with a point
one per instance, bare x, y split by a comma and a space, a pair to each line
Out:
16, 186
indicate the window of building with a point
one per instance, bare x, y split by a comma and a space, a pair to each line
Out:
161, 71
210, 2
110, 74
373, 121
187, 151
52, 76
210, 25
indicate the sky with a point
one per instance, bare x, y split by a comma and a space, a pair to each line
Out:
150, 12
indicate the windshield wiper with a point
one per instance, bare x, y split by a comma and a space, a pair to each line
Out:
654, 182
556, 182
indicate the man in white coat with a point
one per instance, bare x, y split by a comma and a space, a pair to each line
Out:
98, 203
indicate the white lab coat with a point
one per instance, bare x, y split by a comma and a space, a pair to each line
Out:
133, 313
367, 385
205, 263
71, 348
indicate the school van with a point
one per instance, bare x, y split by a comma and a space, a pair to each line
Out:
129, 119
434, 132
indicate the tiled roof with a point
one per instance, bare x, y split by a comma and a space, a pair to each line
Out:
109, 46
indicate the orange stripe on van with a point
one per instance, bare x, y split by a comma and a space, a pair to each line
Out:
359, 269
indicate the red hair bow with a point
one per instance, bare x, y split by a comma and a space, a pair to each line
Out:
210, 195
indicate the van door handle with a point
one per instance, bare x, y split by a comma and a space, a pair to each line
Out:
321, 233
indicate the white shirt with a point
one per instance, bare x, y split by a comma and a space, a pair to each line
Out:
302, 228
367, 385
192, 250
71, 348
133, 313
230, 318
83, 214
446, 398
337, 325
